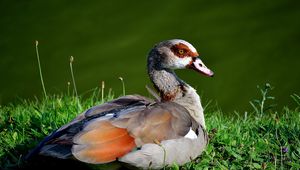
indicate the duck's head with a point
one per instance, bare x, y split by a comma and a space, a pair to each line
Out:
177, 54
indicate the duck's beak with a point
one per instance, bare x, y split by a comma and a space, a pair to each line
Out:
199, 66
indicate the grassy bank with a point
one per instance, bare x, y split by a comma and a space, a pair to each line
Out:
267, 140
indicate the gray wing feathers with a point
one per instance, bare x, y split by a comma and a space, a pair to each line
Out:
58, 151
161, 121
59, 143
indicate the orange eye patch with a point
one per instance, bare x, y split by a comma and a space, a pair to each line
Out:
181, 50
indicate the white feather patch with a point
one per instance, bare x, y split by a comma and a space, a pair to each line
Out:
191, 134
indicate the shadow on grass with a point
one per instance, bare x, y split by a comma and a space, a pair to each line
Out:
45, 162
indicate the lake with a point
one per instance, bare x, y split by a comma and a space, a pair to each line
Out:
245, 43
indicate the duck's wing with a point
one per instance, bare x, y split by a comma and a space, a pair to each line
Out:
107, 138
59, 142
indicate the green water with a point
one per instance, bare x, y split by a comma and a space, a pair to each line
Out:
245, 43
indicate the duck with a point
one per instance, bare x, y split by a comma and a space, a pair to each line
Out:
139, 131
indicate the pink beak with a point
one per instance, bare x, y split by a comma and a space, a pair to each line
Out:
199, 66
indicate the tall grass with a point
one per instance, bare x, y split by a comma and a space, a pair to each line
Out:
40, 68
123, 85
72, 75
270, 141
259, 105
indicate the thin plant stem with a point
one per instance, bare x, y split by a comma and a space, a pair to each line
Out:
72, 74
264, 93
281, 158
74, 84
40, 69
109, 92
275, 161
123, 85
69, 88
102, 91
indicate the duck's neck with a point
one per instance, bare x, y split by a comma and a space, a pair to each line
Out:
172, 88
169, 86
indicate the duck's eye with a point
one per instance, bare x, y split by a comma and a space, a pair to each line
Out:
180, 51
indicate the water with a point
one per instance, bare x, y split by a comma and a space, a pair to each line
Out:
245, 43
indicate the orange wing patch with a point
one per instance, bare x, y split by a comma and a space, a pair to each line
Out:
102, 145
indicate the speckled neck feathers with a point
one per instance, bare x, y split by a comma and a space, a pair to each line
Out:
172, 88
169, 86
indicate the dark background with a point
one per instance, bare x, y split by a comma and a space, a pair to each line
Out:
245, 43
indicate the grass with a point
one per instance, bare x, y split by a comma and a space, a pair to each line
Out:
252, 141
